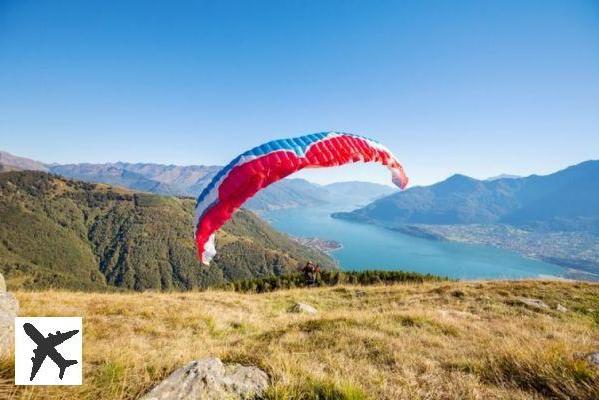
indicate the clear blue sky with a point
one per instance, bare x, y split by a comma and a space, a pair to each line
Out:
476, 87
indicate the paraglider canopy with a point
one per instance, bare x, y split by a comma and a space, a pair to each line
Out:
257, 168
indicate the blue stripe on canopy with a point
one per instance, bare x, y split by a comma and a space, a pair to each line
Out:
298, 145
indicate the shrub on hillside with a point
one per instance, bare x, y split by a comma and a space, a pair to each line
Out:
330, 278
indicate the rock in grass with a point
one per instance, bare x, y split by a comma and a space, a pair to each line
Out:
9, 308
533, 303
303, 308
210, 379
593, 358
561, 308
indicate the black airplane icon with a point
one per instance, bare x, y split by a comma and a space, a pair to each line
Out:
46, 347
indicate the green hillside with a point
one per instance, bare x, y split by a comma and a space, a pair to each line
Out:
56, 232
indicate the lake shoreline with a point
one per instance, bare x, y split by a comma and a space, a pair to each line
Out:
367, 246
575, 269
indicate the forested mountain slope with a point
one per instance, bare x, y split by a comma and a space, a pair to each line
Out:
62, 233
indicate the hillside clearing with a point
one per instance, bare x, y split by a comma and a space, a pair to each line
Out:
449, 340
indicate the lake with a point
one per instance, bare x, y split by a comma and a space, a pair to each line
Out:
370, 247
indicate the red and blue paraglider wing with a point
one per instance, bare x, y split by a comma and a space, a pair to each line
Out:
259, 167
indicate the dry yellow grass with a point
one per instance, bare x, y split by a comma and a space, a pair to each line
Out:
464, 340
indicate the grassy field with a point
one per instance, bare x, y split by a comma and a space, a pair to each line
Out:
446, 340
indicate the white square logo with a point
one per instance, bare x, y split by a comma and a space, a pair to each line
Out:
48, 350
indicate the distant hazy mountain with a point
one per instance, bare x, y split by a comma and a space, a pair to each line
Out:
112, 175
565, 200
184, 180
9, 162
288, 193
502, 176
154, 178
190, 180
358, 193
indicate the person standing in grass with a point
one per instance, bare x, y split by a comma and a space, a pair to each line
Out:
311, 272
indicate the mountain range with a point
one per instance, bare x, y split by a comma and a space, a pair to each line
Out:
190, 180
153, 178
554, 218
56, 232
502, 176
565, 200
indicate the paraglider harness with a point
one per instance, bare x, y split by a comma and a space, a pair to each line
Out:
311, 272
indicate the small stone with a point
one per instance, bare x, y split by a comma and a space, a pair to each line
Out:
593, 358
561, 308
457, 314
534, 303
210, 379
303, 308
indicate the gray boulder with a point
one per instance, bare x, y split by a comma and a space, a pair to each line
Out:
533, 303
9, 308
303, 308
593, 358
561, 308
210, 379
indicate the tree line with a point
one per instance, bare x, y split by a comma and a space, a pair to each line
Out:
328, 278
